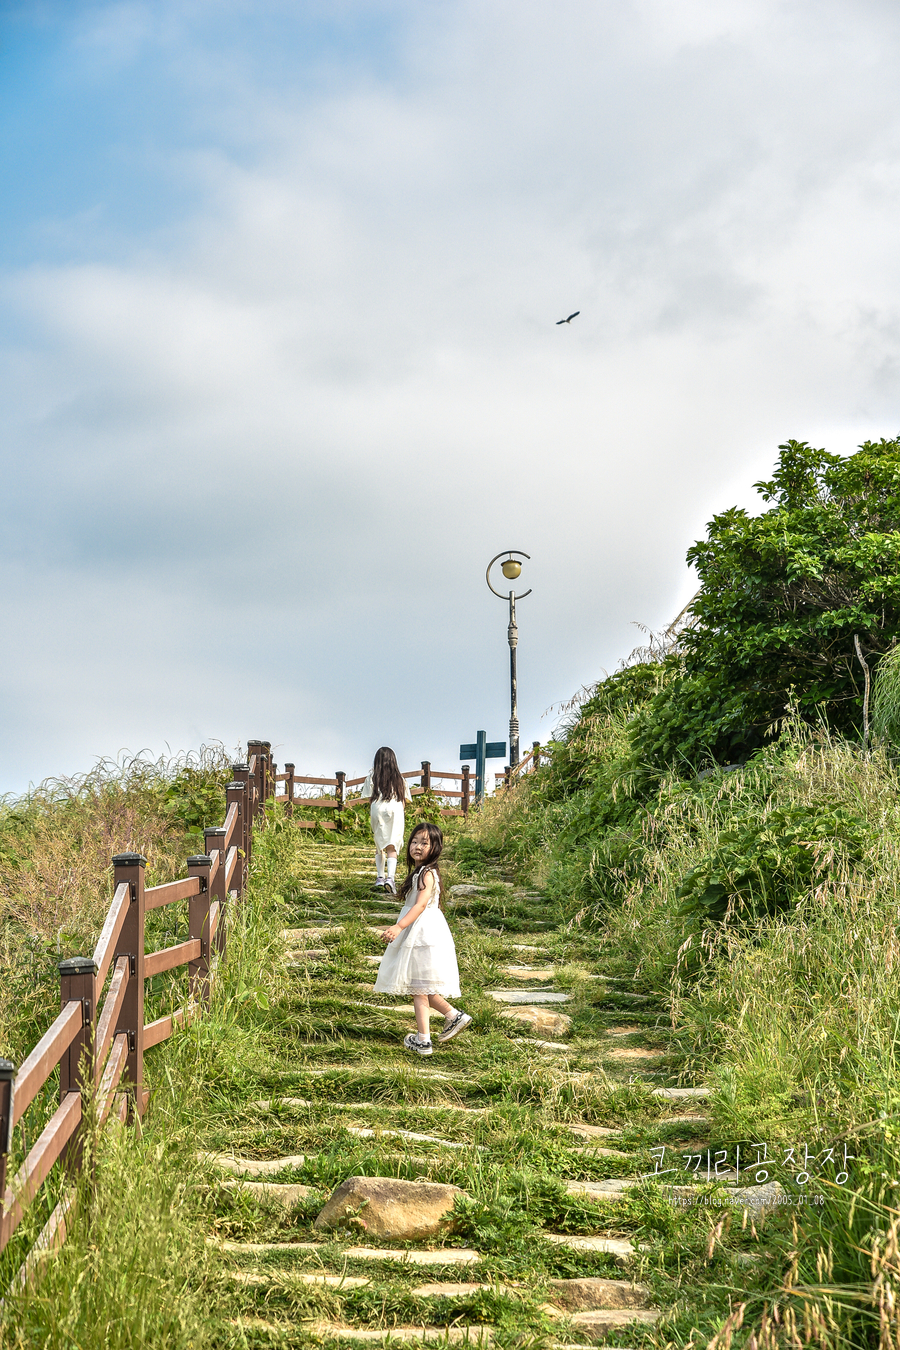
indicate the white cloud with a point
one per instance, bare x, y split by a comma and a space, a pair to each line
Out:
335, 388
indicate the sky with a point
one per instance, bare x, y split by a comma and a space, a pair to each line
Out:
280, 368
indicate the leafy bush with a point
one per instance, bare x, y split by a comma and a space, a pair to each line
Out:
768, 864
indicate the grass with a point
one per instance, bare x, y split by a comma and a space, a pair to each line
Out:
790, 1020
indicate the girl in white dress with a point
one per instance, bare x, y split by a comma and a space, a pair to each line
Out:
421, 958
388, 792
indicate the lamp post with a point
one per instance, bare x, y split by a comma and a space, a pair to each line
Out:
511, 567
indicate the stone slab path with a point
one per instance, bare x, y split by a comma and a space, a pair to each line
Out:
501, 1112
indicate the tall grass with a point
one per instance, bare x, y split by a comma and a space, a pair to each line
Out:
787, 1008
136, 1269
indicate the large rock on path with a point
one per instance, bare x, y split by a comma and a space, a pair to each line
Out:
386, 1207
541, 1020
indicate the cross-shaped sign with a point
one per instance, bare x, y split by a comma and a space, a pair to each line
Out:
480, 750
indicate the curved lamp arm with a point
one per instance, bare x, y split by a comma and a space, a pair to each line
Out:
487, 575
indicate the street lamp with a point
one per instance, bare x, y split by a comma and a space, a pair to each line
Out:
511, 567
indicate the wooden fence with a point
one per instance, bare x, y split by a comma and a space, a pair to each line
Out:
99, 1051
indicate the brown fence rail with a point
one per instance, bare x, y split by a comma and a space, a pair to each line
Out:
99, 1050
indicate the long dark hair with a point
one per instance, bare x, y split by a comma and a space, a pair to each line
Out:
387, 780
436, 840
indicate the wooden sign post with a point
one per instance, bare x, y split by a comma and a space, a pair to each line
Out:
480, 750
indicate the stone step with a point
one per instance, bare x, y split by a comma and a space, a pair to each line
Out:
623, 1031
441, 1256
535, 996
539, 1019
634, 1052
757, 1198
594, 1325
681, 1094
540, 1045
523, 947
620, 1248
594, 1294
448, 1290
685, 1120
276, 1277
589, 1131
455, 1335
362, 1133
251, 1167
528, 972
299, 958
309, 934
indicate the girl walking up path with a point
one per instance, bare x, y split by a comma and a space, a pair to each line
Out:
421, 956
388, 792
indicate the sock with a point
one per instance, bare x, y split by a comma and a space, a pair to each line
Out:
391, 865
423, 1040
379, 864
454, 1012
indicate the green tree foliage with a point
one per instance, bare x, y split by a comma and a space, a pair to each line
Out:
783, 595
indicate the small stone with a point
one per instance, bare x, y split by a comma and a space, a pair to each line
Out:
540, 1020
386, 1207
590, 1294
527, 996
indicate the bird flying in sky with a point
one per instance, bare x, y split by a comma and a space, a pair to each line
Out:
569, 319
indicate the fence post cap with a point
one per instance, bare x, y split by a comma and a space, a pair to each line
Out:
199, 860
7, 1071
240, 768
233, 787
289, 766
78, 965
129, 860
213, 829
267, 745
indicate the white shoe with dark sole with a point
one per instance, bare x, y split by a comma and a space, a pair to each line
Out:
412, 1042
451, 1029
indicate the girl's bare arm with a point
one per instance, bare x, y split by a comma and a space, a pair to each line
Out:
425, 895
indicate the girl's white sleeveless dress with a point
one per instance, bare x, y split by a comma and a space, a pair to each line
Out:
422, 958
388, 817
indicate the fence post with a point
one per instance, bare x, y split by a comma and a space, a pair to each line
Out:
214, 839
129, 867
236, 795
198, 927
289, 789
7, 1074
267, 771
536, 757
258, 748
76, 1068
340, 775
506, 772
425, 779
466, 790
240, 773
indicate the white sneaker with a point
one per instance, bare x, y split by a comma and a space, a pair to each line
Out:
379, 885
454, 1027
389, 887
412, 1042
